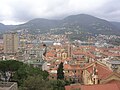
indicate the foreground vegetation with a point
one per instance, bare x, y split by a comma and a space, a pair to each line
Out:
28, 77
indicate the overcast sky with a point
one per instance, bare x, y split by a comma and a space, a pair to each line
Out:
20, 11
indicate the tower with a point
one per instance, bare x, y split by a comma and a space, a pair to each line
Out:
11, 43
69, 50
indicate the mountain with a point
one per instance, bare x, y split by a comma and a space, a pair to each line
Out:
6, 28
3, 27
40, 24
91, 24
76, 24
117, 24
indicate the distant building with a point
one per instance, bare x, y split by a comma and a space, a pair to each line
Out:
10, 41
113, 63
8, 86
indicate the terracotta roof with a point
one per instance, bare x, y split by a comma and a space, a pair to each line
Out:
111, 54
78, 53
111, 78
103, 71
115, 48
100, 87
50, 54
72, 87
67, 67
68, 59
71, 67
93, 87
115, 82
84, 53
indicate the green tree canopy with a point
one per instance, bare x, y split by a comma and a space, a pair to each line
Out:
10, 65
60, 73
20, 71
35, 83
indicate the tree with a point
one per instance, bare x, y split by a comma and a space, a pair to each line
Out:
25, 71
20, 71
57, 84
20, 75
35, 83
60, 73
9, 66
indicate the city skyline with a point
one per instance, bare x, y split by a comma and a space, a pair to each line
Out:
20, 11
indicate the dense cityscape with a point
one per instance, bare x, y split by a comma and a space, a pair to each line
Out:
85, 64
59, 44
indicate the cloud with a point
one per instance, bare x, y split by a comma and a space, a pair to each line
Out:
19, 11
110, 11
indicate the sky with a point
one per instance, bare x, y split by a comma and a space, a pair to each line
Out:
14, 12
